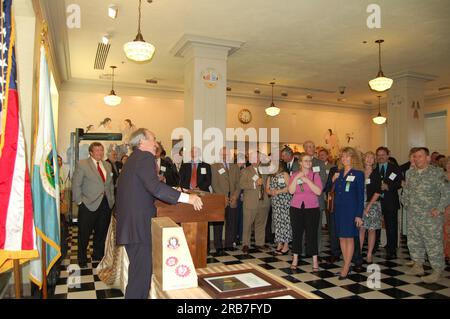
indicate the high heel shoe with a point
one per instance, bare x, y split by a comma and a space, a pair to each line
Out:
345, 277
294, 265
281, 252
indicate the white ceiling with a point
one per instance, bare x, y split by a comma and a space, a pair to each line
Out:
302, 43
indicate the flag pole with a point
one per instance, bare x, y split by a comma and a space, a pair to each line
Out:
17, 280
44, 269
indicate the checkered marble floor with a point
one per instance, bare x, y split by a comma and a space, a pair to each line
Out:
395, 284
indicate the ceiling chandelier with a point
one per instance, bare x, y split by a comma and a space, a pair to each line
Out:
112, 99
138, 50
379, 119
272, 110
380, 83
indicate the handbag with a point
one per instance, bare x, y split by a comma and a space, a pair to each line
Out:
330, 199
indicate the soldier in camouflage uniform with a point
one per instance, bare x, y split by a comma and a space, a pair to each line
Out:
426, 194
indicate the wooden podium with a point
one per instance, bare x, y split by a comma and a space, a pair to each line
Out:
195, 223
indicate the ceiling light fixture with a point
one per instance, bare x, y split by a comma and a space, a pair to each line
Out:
112, 99
105, 39
380, 83
112, 11
379, 119
272, 110
138, 50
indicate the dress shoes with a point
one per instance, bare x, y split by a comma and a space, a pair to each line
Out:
391, 256
83, 265
333, 259
245, 249
359, 268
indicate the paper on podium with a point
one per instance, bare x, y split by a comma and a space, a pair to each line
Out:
172, 261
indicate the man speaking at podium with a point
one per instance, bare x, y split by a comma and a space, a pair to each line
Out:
138, 186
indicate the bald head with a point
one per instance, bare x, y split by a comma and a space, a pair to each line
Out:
309, 147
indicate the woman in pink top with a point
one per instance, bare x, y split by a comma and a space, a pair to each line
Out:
306, 187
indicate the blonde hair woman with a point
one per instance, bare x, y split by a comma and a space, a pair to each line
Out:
348, 204
372, 211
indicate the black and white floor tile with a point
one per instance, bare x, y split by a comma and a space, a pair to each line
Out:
394, 283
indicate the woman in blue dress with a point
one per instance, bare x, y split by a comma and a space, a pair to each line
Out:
348, 204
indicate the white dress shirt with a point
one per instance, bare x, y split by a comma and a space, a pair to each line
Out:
101, 166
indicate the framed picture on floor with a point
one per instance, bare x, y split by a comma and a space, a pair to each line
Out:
283, 294
237, 283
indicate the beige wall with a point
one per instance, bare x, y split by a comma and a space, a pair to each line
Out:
81, 106
79, 109
439, 105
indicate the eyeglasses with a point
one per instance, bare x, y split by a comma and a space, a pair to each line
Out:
306, 161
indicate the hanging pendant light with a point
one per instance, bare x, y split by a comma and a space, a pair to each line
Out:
138, 50
379, 119
112, 99
380, 83
272, 110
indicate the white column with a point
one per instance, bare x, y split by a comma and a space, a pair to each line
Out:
405, 114
205, 80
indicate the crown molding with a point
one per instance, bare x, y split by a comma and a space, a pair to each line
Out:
414, 75
189, 40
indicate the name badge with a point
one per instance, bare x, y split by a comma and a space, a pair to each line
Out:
203, 171
163, 168
316, 169
368, 181
392, 176
280, 180
350, 178
111, 174
221, 171
255, 178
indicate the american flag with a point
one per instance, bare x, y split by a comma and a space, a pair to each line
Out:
17, 232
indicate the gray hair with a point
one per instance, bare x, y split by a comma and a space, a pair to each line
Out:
287, 150
137, 136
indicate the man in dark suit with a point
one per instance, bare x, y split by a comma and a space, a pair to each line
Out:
112, 160
195, 174
391, 179
334, 241
289, 161
167, 172
137, 189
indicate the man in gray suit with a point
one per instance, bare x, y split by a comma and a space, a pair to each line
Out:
256, 203
93, 191
318, 167
225, 180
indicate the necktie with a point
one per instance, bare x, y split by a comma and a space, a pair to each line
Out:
383, 170
99, 169
194, 176
289, 166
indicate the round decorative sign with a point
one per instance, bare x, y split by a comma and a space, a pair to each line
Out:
171, 261
182, 271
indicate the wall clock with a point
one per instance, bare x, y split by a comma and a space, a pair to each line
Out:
245, 116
